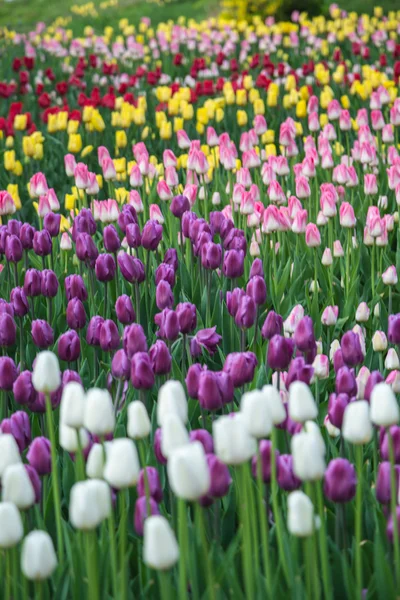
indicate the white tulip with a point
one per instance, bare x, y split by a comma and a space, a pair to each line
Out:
300, 514
256, 416
38, 557
139, 425
68, 438
122, 464
72, 405
174, 435
384, 407
308, 459
357, 426
90, 504
17, 487
379, 341
9, 452
99, 417
160, 548
171, 398
275, 404
11, 528
312, 428
362, 380
302, 405
188, 472
95, 461
392, 360
232, 442
334, 347
46, 375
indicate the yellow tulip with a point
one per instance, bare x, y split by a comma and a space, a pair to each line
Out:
270, 150
38, 154
87, 150
72, 127
121, 140
10, 142
12, 189
20, 122
97, 121
28, 146
62, 120
75, 143
241, 117
166, 130
145, 133
272, 100
241, 97
9, 160
219, 115
69, 201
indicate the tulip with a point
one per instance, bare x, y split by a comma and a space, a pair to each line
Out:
272, 325
256, 414
384, 407
23, 390
357, 427
392, 360
265, 455
304, 335
72, 405
90, 504
46, 373
340, 481
51, 223
32, 283
124, 310
374, 378
38, 558
8, 373
336, 407
39, 455
122, 466
75, 288
153, 482
111, 239
160, 549
308, 458
19, 427
233, 443
302, 405
42, 334
142, 374
109, 336
233, 265
93, 331
168, 324
171, 399
300, 514
207, 339
98, 416
188, 472
142, 512
11, 528
346, 382
383, 483
351, 349
69, 346
240, 366
174, 435
204, 437
8, 330
105, 268
17, 486
151, 235
19, 302
280, 351
75, 314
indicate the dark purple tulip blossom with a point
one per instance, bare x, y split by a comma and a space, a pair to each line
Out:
33, 283
42, 243
394, 329
153, 480
39, 455
8, 373
51, 223
142, 374
160, 357
19, 426
111, 240
340, 480
179, 205
141, 512
233, 299
8, 330
240, 366
124, 310
109, 336
93, 330
120, 365
69, 346
134, 340
233, 266
286, 478
75, 314
75, 288
105, 268
168, 324
23, 390
257, 289
151, 235
49, 283
265, 454
383, 488
280, 352
187, 317
204, 437
351, 349
246, 313
13, 249
42, 334
273, 325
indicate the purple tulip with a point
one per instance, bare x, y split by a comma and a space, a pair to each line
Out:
33, 283
226, 228
168, 324
105, 267
303, 336
216, 220
8, 373
256, 268
157, 447
209, 393
39, 456
69, 346
207, 339
165, 272
171, 258
70, 375
93, 330
42, 334
336, 407
3, 238
390, 525
141, 512
126, 217
132, 269
220, 477
340, 480
133, 235
211, 255
18, 425
226, 387
187, 317
188, 218
280, 352
204, 437
351, 349
49, 283
75, 314
257, 289
142, 375
233, 299
299, 370
383, 483
8, 330
346, 382
192, 379
394, 329
160, 358
197, 228
120, 365
13, 249
179, 205
75, 288
338, 361
246, 313
14, 227
164, 295
83, 223
265, 454
384, 443
233, 266
272, 325
109, 336
374, 378
151, 235
134, 340
42, 243
111, 240
154, 484
240, 366
23, 390
51, 222
6, 307
86, 249
35, 481
286, 478
124, 310
26, 234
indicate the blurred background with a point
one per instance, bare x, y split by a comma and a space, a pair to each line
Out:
23, 14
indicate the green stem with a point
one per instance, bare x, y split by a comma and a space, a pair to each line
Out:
262, 515
247, 558
323, 543
54, 475
207, 556
123, 538
39, 590
113, 553
184, 548
91, 564
358, 518
309, 559
373, 272
393, 507
276, 510
164, 585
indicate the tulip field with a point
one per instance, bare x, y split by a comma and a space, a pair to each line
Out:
200, 307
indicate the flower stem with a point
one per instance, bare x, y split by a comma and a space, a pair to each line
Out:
247, 557
323, 543
123, 535
358, 519
263, 524
201, 529
91, 564
276, 509
393, 507
184, 548
54, 474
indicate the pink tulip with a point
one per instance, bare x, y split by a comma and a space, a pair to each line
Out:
163, 191
38, 185
183, 139
300, 221
330, 315
136, 201
370, 184
313, 237
135, 179
81, 175
70, 164
346, 215
156, 214
169, 159
7, 206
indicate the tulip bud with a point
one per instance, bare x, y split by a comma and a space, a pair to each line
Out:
122, 464
11, 528
46, 376
233, 443
340, 481
90, 504
357, 427
68, 438
384, 407
160, 549
38, 558
139, 425
379, 341
72, 405
362, 313
275, 405
17, 486
308, 458
95, 461
99, 416
302, 405
153, 480
174, 434
300, 514
39, 455
256, 416
392, 360
188, 472
172, 399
